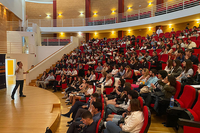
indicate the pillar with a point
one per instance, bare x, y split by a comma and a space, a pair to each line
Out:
120, 34
54, 14
87, 11
120, 10
87, 37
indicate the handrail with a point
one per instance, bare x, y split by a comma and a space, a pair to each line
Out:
48, 57
151, 11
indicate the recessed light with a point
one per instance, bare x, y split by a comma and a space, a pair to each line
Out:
40, 15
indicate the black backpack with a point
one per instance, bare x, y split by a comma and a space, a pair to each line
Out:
48, 130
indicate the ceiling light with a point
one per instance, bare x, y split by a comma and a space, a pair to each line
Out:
129, 8
40, 15
81, 13
149, 3
59, 14
48, 16
79, 33
113, 11
95, 13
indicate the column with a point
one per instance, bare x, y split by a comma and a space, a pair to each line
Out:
87, 37
120, 34
87, 11
120, 10
54, 14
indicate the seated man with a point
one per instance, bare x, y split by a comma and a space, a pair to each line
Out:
47, 80
88, 126
190, 56
80, 104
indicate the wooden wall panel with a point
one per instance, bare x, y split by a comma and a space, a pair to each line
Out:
104, 8
71, 8
33, 10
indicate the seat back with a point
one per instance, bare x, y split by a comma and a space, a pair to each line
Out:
97, 127
113, 81
195, 67
147, 120
164, 57
141, 102
58, 77
178, 89
196, 109
188, 96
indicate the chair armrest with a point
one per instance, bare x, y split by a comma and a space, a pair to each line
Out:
175, 110
107, 86
190, 123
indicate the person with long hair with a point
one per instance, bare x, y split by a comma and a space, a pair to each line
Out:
44, 76
187, 71
133, 121
169, 66
92, 76
177, 69
128, 73
60, 82
115, 71
154, 58
169, 90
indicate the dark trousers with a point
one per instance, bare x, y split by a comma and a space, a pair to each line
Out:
75, 108
21, 83
79, 113
73, 127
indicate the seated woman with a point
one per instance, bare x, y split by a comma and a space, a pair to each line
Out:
58, 71
168, 91
168, 50
109, 69
133, 121
82, 94
177, 69
92, 76
120, 63
44, 76
107, 82
169, 66
125, 63
187, 71
72, 75
140, 56
121, 71
142, 79
128, 73
117, 90
154, 58
115, 71
75, 86
60, 82
102, 79
63, 72
87, 75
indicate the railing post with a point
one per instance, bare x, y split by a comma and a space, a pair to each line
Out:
59, 41
40, 22
83, 22
72, 22
47, 41
126, 16
183, 4
152, 12
139, 14
115, 17
93, 21
27, 22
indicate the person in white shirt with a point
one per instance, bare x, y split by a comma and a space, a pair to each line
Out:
92, 76
47, 80
190, 44
159, 31
133, 121
115, 71
73, 74
19, 80
68, 72
107, 82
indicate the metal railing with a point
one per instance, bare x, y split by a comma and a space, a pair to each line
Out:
55, 41
151, 11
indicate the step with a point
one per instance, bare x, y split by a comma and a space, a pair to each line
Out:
32, 84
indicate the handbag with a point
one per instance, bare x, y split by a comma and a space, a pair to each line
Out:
144, 89
121, 121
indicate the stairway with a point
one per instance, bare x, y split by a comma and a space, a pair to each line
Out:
33, 82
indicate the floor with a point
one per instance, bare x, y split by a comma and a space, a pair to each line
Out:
31, 114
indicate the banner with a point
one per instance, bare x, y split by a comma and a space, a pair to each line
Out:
2, 72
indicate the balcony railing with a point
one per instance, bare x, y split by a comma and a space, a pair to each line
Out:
55, 41
152, 11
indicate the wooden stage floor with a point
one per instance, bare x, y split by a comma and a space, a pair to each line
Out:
31, 114
40, 109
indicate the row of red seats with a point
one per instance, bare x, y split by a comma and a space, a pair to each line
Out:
57, 40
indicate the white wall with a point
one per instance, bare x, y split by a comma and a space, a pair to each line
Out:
16, 6
45, 51
15, 38
26, 59
38, 69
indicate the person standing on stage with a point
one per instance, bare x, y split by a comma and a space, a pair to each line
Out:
19, 80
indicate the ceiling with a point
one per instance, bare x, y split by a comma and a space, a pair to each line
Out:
41, 1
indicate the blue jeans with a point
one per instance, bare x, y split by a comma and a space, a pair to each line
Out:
112, 128
109, 109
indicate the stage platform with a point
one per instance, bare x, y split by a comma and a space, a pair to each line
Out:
31, 114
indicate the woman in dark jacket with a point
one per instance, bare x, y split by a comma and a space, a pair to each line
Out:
177, 69
154, 58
